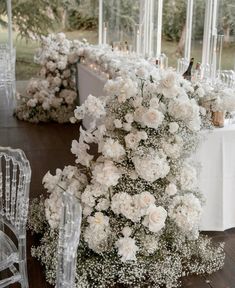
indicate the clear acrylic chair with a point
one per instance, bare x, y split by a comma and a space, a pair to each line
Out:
69, 235
15, 176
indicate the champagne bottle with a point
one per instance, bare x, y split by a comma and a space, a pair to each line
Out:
188, 73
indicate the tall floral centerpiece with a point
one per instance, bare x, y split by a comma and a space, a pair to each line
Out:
52, 96
141, 203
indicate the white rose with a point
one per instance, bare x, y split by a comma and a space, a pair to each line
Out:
145, 199
168, 81
155, 218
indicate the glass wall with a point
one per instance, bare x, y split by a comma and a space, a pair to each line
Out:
120, 23
226, 27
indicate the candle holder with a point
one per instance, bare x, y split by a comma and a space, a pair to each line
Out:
162, 61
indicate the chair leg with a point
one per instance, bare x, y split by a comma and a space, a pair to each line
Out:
24, 273
23, 263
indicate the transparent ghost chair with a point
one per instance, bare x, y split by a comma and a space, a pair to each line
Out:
15, 176
69, 235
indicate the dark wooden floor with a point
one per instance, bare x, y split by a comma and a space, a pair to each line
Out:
47, 147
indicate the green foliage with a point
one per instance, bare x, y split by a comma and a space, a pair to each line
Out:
174, 17
77, 20
122, 15
31, 17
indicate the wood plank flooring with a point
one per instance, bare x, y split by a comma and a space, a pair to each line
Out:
47, 147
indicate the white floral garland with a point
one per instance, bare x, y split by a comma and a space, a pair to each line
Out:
140, 197
53, 95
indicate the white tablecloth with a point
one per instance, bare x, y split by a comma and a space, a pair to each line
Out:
217, 178
216, 155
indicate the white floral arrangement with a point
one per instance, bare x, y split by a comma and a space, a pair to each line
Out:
53, 96
217, 97
141, 203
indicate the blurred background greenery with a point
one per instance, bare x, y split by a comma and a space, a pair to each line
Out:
79, 19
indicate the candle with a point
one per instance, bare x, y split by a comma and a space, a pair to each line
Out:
188, 36
9, 15
100, 20
206, 37
105, 35
138, 42
151, 8
145, 27
159, 27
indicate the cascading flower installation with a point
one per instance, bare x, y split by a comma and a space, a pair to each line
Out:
141, 203
52, 96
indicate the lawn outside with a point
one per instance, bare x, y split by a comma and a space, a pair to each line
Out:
25, 50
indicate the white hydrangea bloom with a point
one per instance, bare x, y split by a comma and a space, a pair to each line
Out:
106, 174
53, 206
187, 111
152, 166
188, 177
172, 150
186, 212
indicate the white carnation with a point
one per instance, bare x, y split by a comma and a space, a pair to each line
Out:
126, 249
173, 127
112, 149
152, 118
118, 123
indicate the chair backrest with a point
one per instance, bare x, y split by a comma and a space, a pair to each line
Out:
69, 235
7, 63
15, 177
